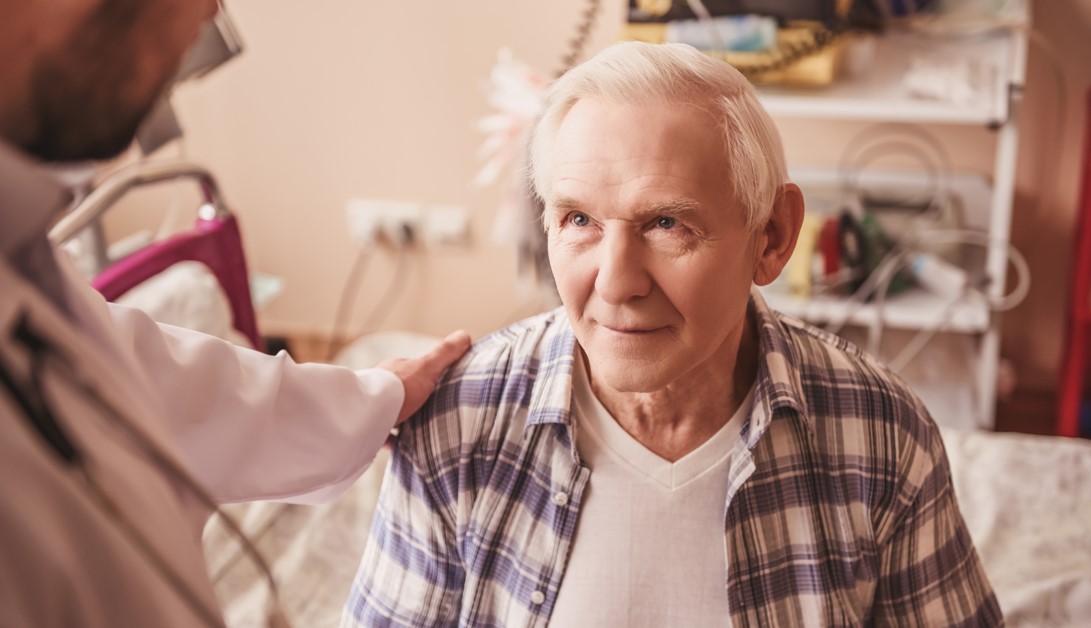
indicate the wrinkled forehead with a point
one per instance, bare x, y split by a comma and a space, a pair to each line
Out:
656, 146
647, 126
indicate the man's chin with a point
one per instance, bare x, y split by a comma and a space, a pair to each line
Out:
65, 135
629, 377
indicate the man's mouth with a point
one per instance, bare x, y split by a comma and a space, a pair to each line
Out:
635, 330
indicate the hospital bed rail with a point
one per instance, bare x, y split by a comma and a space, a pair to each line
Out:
214, 240
115, 186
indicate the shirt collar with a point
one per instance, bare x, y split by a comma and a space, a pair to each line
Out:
31, 198
551, 385
777, 385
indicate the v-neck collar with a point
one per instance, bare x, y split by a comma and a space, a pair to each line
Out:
597, 423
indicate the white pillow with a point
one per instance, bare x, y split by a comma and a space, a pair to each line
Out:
187, 295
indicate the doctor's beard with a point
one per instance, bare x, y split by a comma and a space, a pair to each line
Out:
89, 98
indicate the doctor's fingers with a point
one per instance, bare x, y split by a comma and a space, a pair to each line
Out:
446, 353
419, 375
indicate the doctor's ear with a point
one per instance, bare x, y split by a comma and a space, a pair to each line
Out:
777, 238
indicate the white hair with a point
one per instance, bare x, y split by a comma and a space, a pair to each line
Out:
640, 73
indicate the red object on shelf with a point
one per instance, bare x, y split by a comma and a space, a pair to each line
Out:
829, 241
1078, 345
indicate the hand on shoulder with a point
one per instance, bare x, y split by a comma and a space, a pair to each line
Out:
419, 375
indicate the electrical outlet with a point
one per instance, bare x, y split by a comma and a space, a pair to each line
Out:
445, 225
372, 221
363, 223
403, 223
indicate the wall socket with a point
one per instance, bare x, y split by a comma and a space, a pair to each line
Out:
405, 223
372, 221
445, 225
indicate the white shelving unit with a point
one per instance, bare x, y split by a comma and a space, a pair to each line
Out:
881, 95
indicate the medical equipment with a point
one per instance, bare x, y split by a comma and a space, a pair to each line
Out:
214, 241
51, 367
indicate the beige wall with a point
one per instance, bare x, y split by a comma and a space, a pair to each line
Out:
350, 98
346, 99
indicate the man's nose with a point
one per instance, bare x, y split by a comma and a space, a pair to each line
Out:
623, 274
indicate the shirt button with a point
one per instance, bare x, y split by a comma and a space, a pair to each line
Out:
537, 598
561, 499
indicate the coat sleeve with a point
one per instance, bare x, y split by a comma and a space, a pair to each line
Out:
252, 426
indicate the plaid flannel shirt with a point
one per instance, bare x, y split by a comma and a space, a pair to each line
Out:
840, 509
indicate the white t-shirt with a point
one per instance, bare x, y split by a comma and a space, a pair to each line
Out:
649, 545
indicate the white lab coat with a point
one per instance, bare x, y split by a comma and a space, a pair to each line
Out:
248, 426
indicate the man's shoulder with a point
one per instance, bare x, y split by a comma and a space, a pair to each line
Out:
866, 423
514, 353
841, 381
486, 394
822, 355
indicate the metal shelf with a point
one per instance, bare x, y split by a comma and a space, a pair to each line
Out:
974, 191
912, 309
879, 93
996, 62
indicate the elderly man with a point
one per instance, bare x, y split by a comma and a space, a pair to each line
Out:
664, 450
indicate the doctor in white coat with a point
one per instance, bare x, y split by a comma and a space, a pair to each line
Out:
116, 433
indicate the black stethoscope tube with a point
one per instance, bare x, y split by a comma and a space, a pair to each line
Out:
36, 411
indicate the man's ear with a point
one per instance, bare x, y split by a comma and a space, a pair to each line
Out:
778, 237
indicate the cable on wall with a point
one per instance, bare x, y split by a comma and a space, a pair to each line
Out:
393, 293
578, 43
347, 301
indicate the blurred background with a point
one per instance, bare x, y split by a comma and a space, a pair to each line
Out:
339, 103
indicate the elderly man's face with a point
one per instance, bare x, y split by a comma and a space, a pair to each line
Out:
651, 255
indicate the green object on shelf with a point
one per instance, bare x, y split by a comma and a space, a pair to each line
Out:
866, 245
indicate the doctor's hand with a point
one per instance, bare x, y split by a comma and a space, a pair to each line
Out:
419, 375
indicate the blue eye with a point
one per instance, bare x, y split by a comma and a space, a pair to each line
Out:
580, 220
665, 222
